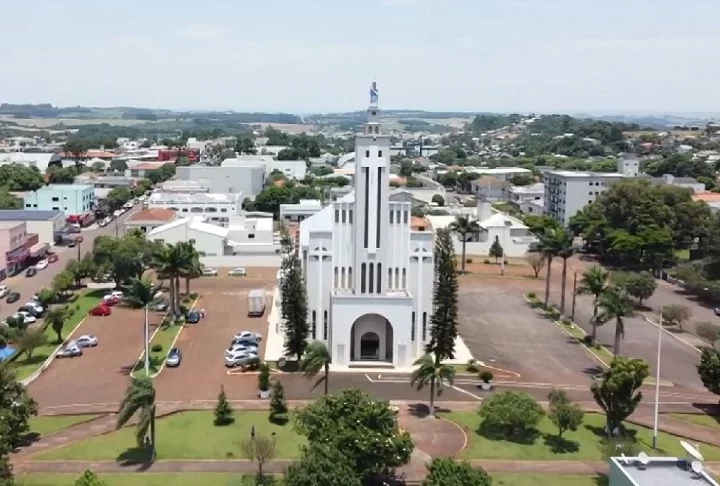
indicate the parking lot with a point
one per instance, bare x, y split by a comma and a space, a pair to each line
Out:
100, 375
203, 345
503, 331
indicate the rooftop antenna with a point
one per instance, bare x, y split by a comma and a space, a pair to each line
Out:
643, 459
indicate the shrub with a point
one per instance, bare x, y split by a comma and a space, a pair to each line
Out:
535, 304
223, 410
468, 260
532, 295
72, 298
472, 366
278, 405
77, 306
184, 309
505, 262
193, 295
486, 376
587, 340
510, 415
553, 313
156, 348
264, 377
566, 321
486, 261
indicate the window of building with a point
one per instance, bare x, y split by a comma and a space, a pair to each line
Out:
55, 208
325, 325
362, 278
251, 236
424, 326
371, 277
223, 210
28, 205
314, 324
404, 280
390, 281
343, 216
335, 277
337, 215
379, 153
405, 217
350, 216
391, 216
379, 278
184, 210
367, 153
412, 327
55, 199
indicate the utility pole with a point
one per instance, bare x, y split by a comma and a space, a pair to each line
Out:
657, 382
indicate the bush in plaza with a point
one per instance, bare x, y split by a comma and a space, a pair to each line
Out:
156, 348
510, 415
531, 295
223, 410
278, 405
264, 377
472, 366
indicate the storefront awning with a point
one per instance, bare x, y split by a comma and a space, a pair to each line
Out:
39, 249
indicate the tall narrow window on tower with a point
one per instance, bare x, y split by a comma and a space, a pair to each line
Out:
366, 204
379, 207
371, 278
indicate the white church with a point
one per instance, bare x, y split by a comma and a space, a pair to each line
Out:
369, 276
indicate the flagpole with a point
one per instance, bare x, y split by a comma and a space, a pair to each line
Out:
657, 382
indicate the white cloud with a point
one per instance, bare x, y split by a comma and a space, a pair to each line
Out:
198, 32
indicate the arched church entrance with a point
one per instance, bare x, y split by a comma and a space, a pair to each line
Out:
371, 339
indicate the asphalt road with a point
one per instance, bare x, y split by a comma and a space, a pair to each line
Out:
27, 286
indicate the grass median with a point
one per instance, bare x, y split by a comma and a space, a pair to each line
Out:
162, 340
24, 366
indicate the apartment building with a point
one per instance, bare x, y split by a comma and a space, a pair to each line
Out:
567, 192
217, 207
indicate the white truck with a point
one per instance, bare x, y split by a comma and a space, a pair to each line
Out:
256, 302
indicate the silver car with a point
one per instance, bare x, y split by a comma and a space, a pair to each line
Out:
87, 341
238, 272
69, 351
210, 272
239, 358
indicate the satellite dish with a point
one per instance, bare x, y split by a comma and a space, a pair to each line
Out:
692, 451
697, 467
643, 458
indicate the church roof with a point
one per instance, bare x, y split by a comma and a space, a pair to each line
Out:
500, 220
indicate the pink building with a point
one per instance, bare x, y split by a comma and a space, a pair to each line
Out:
15, 244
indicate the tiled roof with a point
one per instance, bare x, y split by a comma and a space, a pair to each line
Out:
154, 214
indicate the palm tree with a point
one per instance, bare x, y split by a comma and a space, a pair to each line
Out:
194, 268
170, 262
615, 304
565, 251
464, 227
55, 319
595, 282
553, 242
139, 397
316, 358
431, 373
141, 293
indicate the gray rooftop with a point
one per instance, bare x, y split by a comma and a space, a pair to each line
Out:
663, 471
22, 215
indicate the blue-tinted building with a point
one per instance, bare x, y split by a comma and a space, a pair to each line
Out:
72, 199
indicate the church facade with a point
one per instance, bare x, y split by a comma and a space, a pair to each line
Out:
369, 276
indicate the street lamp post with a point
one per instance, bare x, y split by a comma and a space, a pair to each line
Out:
572, 311
657, 382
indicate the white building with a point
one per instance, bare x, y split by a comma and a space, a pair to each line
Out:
522, 194
247, 179
189, 187
294, 213
645, 470
29, 159
502, 173
217, 207
292, 169
567, 192
369, 276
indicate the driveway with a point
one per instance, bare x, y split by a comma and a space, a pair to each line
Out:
29, 286
203, 345
503, 331
100, 375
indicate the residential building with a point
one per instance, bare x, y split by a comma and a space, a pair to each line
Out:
657, 471
567, 192
171, 155
72, 199
292, 169
534, 208
369, 276
189, 187
294, 213
248, 179
218, 207
15, 247
208, 238
29, 159
138, 168
491, 188
502, 173
148, 219
106, 181
248, 234
42, 223
685, 182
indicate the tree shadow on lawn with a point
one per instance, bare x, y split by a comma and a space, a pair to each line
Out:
37, 358
27, 439
629, 435
560, 445
155, 363
557, 445
422, 410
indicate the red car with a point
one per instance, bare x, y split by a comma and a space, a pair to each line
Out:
52, 258
101, 310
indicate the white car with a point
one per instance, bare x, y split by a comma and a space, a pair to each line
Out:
117, 213
239, 358
4, 290
27, 317
41, 265
69, 351
87, 341
115, 294
143, 197
35, 306
238, 272
210, 272
247, 335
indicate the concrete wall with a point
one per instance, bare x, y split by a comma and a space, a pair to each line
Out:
248, 179
211, 245
46, 229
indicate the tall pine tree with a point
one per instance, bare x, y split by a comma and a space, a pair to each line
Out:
443, 324
293, 307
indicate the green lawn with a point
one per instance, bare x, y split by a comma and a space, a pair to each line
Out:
25, 367
187, 435
709, 421
139, 479
47, 424
546, 480
166, 334
582, 444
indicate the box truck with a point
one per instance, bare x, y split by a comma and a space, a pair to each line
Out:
256, 302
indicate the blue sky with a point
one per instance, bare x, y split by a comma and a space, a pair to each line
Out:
320, 55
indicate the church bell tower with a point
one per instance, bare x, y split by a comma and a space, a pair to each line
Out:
372, 164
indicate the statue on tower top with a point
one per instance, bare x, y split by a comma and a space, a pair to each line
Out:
373, 94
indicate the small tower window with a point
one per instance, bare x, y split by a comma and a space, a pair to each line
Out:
412, 327
367, 153
379, 153
314, 323
424, 325
362, 278
325, 325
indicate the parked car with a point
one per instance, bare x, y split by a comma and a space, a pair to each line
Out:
111, 300
236, 348
31, 272
239, 358
174, 357
102, 223
36, 306
247, 335
117, 213
210, 272
52, 258
161, 306
192, 317
101, 310
4, 290
717, 311
41, 265
114, 295
87, 341
27, 317
238, 272
13, 297
248, 340
30, 310
69, 351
